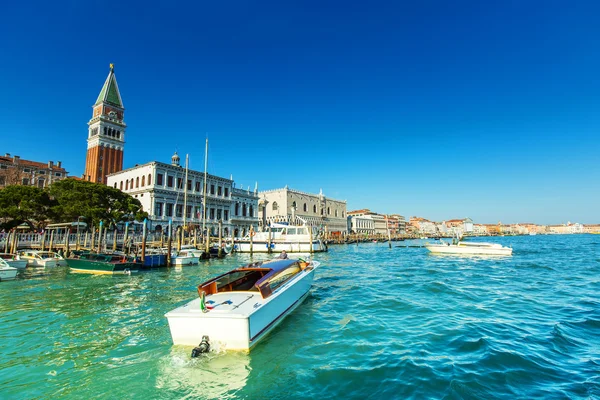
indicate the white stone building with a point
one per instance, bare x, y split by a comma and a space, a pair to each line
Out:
284, 205
161, 189
362, 224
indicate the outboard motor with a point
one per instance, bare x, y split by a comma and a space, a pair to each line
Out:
203, 347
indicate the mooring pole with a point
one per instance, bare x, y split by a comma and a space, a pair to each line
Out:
169, 243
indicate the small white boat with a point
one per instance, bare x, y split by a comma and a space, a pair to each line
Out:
13, 260
237, 309
184, 257
291, 238
46, 259
7, 273
479, 248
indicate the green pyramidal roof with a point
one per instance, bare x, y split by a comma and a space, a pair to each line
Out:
110, 91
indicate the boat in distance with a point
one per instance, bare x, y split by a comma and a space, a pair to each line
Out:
291, 238
474, 248
239, 308
45, 259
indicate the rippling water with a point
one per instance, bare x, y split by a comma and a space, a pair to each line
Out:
380, 323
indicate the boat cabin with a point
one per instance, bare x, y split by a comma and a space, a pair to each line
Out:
263, 277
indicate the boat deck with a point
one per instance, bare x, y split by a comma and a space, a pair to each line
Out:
232, 304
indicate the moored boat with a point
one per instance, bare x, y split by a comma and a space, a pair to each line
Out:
184, 257
237, 309
291, 238
103, 263
475, 248
45, 259
7, 273
13, 260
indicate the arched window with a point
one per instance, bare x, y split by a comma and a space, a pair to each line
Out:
115, 185
305, 209
336, 214
127, 184
121, 185
149, 179
137, 182
294, 205
328, 211
251, 212
143, 181
237, 208
275, 207
243, 210
131, 183
315, 208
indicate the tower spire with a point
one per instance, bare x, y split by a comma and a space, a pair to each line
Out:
106, 132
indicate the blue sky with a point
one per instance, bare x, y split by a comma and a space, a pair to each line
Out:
436, 109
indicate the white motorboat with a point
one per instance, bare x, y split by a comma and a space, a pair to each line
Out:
46, 259
237, 309
291, 238
475, 248
13, 260
184, 257
7, 273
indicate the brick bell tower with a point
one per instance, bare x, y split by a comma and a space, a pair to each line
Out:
106, 133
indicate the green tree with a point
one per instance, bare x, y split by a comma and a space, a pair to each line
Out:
24, 204
96, 202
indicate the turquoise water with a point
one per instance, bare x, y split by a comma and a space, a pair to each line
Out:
379, 323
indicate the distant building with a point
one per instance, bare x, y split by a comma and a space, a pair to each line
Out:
161, 188
106, 133
591, 228
284, 205
423, 226
16, 171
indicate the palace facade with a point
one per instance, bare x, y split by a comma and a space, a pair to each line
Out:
166, 195
285, 205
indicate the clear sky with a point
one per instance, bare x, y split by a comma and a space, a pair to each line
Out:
430, 108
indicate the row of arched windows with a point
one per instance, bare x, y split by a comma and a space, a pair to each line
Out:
275, 207
247, 211
112, 132
129, 182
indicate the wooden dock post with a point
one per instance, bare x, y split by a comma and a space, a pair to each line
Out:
92, 238
144, 236
220, 253
269, 249
114, 246
8, 241
67, 244
100, 237
43, 241
251, 241
51, 240
310, 239
169, 243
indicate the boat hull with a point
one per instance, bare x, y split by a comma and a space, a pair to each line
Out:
188, 324
99, 267
472, 250
19, 264
243, 246
184, 260
8, 273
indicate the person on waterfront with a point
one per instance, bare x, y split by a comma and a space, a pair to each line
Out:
283, 255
